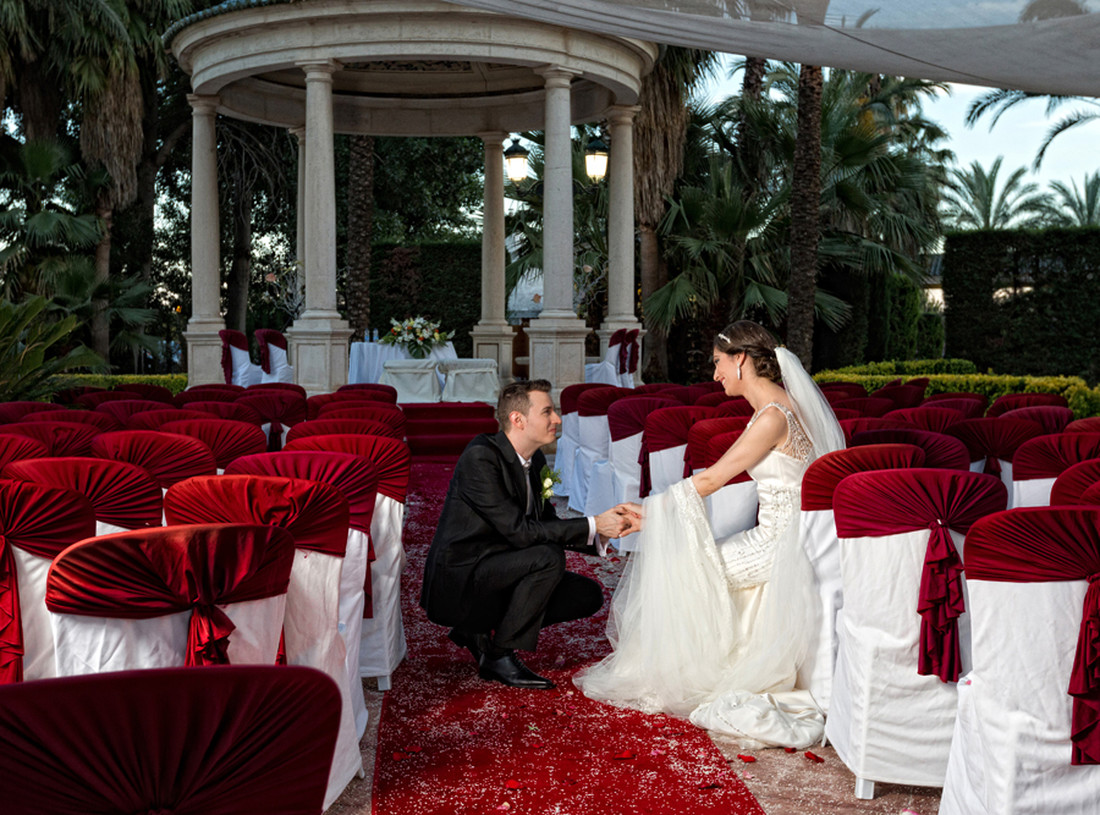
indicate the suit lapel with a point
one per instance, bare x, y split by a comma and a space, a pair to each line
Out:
512, 466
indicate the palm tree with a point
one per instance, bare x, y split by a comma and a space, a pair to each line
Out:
360, 195
997, 102
1073, 207
974, 201
659, 132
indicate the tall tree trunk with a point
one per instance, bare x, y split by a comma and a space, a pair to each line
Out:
653, 275
239, 271
100, 327
39, 99
805, 216
360, 226
752, 159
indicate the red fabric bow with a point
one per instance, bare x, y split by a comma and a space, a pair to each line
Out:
940, 604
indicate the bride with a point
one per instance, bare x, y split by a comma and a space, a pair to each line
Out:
715, 630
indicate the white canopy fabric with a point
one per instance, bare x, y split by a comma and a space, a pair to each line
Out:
1044, 46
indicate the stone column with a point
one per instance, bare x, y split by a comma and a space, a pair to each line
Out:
299, 133
319, 337
557, 336
493, 336
620, 226
204, 347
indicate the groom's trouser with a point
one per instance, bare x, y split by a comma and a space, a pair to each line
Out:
517, 593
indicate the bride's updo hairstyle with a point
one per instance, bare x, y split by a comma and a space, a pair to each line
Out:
752, 339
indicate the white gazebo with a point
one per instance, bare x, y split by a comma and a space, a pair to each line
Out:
411, 68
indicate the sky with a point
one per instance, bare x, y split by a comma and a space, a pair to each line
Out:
1017, 136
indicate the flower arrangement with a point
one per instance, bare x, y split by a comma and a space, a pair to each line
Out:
418, 336
547, 479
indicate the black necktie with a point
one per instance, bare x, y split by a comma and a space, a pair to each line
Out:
527, 481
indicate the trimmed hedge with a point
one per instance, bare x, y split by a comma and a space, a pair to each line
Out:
174, 382
1025, 301
909, 367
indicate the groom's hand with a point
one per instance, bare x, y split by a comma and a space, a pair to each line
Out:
632, 517
610, 524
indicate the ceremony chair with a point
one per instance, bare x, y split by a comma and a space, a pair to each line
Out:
817, 534
11, 412
90, 401
903, 396
933, 418
684, 394
714, 399
168, 457
237, 364
316, 403
17, 448
153, 419
288, 387
570, 433
940, 450
1071, 486
470, 380
593, 439
1089, 425
416, 380
843, 390
59, 438
388, 392
330, 427
383, 642
609, 370
274, 362
121, 410
732, 507
236, 411
316, 516
969, 408
1053, 418
736, 406
357, 481
992, 442
630, 353
1025, 740
902, 633
375, 411
169, 597
1012, 401
954, 396
101, 421
36, 524
1040, 460
279, 410
226, 439
216, 392
123, 495
853, 426
155, 393
870, 406
241, 739
443, 429
664, 445
700, 434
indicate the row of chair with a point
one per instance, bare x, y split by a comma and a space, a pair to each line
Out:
237, 364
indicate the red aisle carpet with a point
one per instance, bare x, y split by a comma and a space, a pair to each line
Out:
450, 743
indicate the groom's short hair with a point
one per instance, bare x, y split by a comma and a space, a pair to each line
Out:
517, 396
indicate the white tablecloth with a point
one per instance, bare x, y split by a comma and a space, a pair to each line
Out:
366, 359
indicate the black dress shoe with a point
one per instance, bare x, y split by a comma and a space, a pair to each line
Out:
509, 670
476, 644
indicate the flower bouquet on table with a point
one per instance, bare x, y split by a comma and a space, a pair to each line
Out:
417, 335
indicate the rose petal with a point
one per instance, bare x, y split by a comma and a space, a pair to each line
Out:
512, 784
814, 757
746, 759
713, 785
625, 754
415, 748
789, 750
398, 756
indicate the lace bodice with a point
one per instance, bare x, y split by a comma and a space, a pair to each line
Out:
797, 444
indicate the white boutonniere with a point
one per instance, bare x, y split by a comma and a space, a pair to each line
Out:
547, 479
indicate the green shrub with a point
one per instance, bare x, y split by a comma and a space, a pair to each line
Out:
930, 335
908, 367
29, 350
174, 382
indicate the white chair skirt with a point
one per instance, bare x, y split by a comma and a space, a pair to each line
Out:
382, 646
666, 467
245, 371
567, 449
38, 653
818, 533
1035, 492
281, 370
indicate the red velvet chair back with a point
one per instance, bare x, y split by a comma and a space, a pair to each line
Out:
100, 421
42, 521
155, 393
668, 427
1050, 456
15, 411
844, 390
700, 434
315, 514
596, 402
90, 401
717, 447
1053, 418
154, 419
844, 413
264, 338
121, 410
824, 473
936, 419
289, 387
60, 438
981, 398
226, 439
437, 412
921, 382
168, 457
329, 427
734, 407
890, 502
208, 393
626, 417
940, 451
1070, 487
315, 403
1089, 425
994, 438
629, 353
903, 396
969, 408
231, 338
1012, 401
237, 411
389, 456
683, 394
1052, 544
275, 405
868, 405
713, 399
122, 494
152, 572
571, 393
258, 739
853, 426
17, 448
655, 387
361, 387
387, 414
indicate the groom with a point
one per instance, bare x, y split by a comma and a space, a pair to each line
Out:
496, 568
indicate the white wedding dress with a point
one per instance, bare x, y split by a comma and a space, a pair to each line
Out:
715, 630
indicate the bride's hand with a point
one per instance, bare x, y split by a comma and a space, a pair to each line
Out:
632, 517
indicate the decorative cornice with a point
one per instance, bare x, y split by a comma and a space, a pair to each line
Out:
215, 11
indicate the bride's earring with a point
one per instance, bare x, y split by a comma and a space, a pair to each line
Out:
738, 371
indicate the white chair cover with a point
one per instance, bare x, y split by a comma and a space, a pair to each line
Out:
38, 649
383, 643
567, 451
732, 509
245, 371
1006, 475
416, 380
281, 369
818, 534
1010, 754
666, 467
886, 721
593, 445
352, 600
470, 380
606, 370
1034, 492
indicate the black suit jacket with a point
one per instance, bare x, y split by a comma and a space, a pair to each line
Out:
485, 513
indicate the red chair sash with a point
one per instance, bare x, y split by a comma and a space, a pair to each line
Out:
1053, 418
101, 421
933, 418
955, 396
16, 411
994, 438
60, 438
153, 419
889, 502
377, 411
17, 448
90, 401
940, 451
207, 394
869, 406
123, 494
1089, 425
630, 344
626, 417
596, 402
168, 457
714, 398
668, 427
853, 426
170, 740
329, 427
283, 407
151, 572
717, 447
390, 457
121, 410
225, 438
1042, 544
903, 396
821, 477
315, 403
737, 406
1071, 486
1012, 401
42, 521
1049, 456
265, 337
570, 394
359, 387
969, 408
315, 514
236, 411
235, 339
844, 390
681, 393
700, 434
